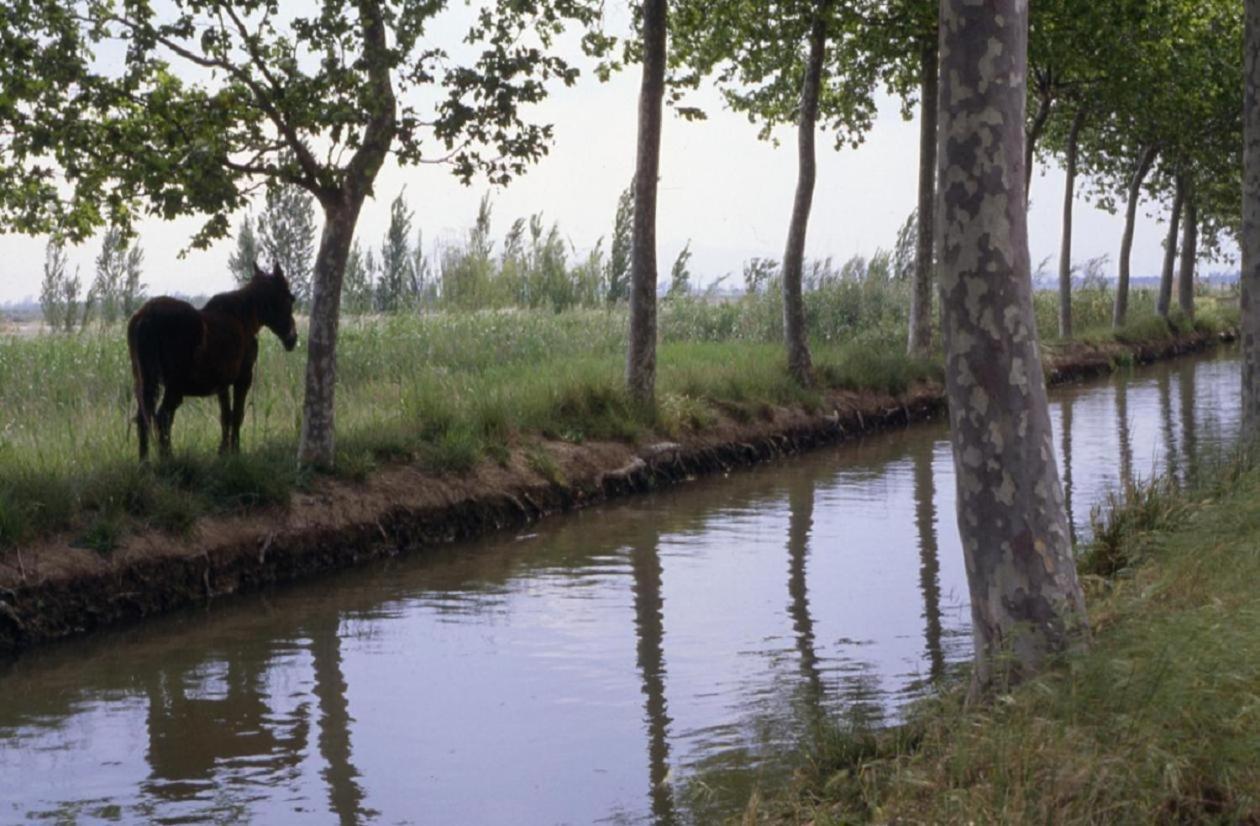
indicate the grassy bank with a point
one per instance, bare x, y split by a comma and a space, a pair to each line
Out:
1159, 722
446, 390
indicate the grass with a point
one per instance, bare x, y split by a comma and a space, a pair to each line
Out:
1158, 722
445, 389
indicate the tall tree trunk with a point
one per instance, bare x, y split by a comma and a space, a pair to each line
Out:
796, 338
1035, 130
1026, 603
641, 352
1065, 242
316, 445
1189, 253
1250, 241
1164, 300
920, 338
1144, 162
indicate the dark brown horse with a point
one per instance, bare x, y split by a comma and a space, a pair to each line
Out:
191, 352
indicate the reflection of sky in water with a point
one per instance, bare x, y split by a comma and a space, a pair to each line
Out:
630, 663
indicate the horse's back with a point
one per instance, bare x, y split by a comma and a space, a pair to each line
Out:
167, 331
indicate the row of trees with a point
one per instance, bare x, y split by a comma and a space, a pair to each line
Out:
115, 293
318, 101
534, 265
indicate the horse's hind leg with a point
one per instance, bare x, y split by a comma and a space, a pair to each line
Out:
225, 421
147, 400
166, 418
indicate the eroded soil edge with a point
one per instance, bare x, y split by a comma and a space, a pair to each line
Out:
52, 590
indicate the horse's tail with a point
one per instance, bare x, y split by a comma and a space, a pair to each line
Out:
146, 367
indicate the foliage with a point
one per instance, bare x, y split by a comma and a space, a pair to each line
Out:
758, 67
246, 256
286, 236
394, 281
117, 287
212, 98
679, 274
618, 271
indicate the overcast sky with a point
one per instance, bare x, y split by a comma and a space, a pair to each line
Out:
721, 188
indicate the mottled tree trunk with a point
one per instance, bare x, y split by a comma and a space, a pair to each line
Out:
1189, 254
795, 336
1250, 240
1065, 242
1026, 603
920, 338
641, 352
1144, 162
316, 444
1164, 300
1035, 130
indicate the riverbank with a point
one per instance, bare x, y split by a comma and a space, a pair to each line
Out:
57, 587
1157, 723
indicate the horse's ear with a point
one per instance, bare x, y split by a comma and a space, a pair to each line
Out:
259, 272
276, 272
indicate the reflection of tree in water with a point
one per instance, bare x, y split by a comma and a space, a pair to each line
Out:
649, 626
1172, 463
1065, 438
1189, 423
929, 562
1124, 434
800, 503
197, 743
345, 795
193, 740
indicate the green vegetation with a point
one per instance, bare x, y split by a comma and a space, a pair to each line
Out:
1157, 723
446, 390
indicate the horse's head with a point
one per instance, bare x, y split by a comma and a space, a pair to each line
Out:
275, 305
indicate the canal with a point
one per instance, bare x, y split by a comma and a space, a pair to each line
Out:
647, 661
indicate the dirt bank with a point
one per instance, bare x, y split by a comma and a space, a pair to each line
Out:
52, 590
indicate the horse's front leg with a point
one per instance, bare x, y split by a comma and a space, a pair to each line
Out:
225, 420
166, 418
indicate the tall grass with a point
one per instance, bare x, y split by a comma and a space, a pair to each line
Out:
443, 388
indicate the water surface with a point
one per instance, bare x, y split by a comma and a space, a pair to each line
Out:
646, 661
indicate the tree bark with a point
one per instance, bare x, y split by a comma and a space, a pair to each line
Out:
1250, 241
316, 444
796, 338
1035, 130
1065, 242
641, 352
1164, 300
920, 337
1189, 254
1026, 602
1145, 160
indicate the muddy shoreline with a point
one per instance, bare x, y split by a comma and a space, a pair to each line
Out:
51, 590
